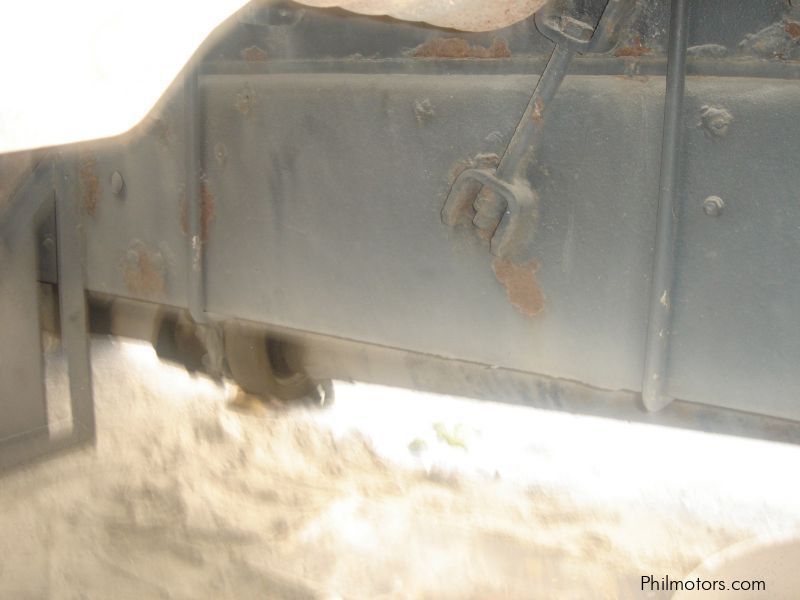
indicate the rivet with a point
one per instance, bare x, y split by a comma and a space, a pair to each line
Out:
713, 206
117, 183
715, 120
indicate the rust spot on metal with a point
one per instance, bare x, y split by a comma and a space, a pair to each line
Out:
143, 270
780, 41
245, 99
470, 191
521, 286
486, 234
479, 161
207, 211
793, 29
635, 50
460, 48
90, 186
538, 107
254, 54
489, 208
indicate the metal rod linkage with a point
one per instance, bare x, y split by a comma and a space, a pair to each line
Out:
192, 124
526, 137
659, 326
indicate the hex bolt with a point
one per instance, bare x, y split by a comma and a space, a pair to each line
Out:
713, 206
715, 121
117, 183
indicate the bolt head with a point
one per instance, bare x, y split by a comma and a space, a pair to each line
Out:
575, 28
117, 183
713, 206
715, 120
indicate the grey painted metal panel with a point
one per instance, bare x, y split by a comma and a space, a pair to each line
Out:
24, 432
322, 182
326, 192
328, 215
72, 296
147, 218
737, 321
22, 404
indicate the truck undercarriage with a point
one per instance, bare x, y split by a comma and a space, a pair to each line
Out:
599, 202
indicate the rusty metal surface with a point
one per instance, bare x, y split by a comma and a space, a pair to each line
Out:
453, 47
137, 241
373, 240
326, 164
90, 185
28, 429
506, 207
380, 265
521, 286
465, 15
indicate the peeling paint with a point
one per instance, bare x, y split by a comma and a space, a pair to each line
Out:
459, 48
521, 285
479, 161
143, 270
254, 54
780, 40
90, 186
470, 191
488, 205
206, 215
635, 50
538, 109
707, 51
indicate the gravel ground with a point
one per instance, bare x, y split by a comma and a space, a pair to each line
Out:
194, 490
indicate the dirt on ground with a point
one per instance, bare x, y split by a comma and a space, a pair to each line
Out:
196, 491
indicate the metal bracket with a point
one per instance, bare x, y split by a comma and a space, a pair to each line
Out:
520, 215
505, 205
659, 324
27, 434
579, 36
194, 199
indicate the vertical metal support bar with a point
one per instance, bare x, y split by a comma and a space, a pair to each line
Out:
72, 296
23, 410
660, 317
192, 124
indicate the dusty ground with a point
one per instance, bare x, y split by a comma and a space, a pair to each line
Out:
194, 492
